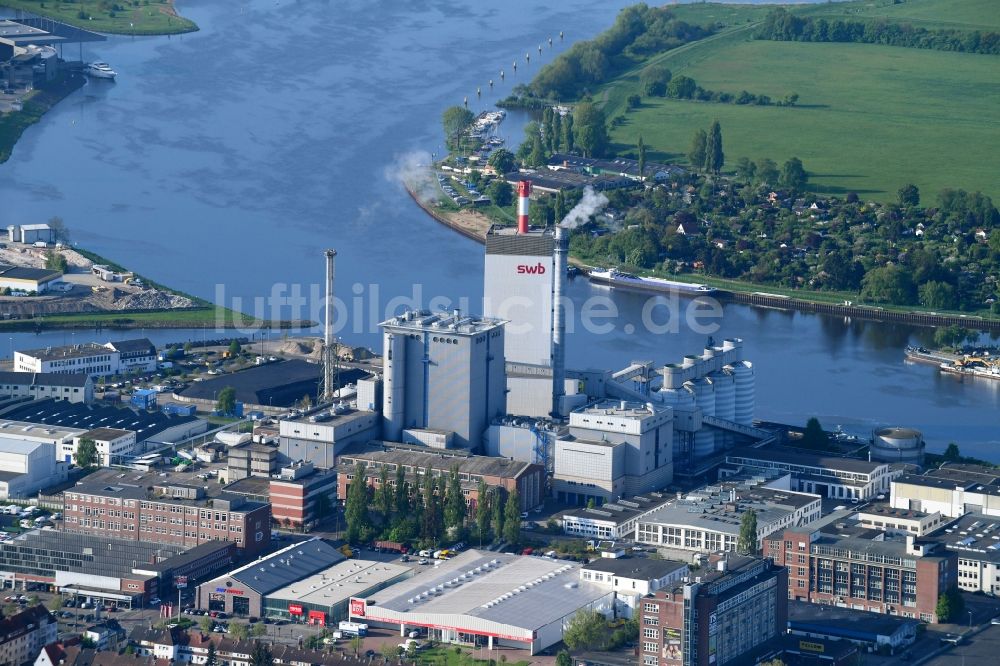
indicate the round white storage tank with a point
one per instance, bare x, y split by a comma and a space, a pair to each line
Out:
725, 394
745, 397
898, 445
704, 396
678, 397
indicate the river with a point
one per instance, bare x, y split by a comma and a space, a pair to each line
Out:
221, 163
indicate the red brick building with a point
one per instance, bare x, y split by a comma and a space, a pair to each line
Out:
147, 508
297, 502
897, 575
528, 478
734, 607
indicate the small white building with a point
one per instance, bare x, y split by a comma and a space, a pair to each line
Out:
632, 578
28, 280
113, 446
27, 467
78, 388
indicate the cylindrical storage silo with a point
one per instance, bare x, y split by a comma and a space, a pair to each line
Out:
745, 397
725, 394
704, 395
394, 386
898, 445
679, 399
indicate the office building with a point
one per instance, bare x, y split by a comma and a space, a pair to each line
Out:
301, 495
508, 475
899, 521
614, 449
709, 519
137, 355
73, 388
487, 599
715, 618
822, 474
517, 288
829, 563
113, 446
146, 507
443, 372
90, 358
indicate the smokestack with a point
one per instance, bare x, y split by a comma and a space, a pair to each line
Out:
329, 361
523, 193
558, 323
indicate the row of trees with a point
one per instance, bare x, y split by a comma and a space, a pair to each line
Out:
584, 131
657, 81
638, 32
706, 150
782, 25
764, 172
427, 511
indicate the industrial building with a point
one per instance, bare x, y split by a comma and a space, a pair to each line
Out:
152, 429
443, 372
951, 490
72, 388
613, 449
831, 563
715, 618
147, 507
527, 478
709, 519
517, 287
117, 572
614, 520
96, 360
633, 578
899, 521
28, 280
819, 473
898, 445
27, 466
974, 538
870, 631
244, 590
319, 436
487, 598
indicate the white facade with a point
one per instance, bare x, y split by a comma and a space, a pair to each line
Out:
27, 467
112, 446
630, 587
39, 386
320, 442
517, 287
91, 358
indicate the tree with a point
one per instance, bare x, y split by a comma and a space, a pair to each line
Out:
938, 295
714, 157
482, 510
86, 453
642, 161
909, 196
587, 630
55, 261
888, 284
746, 543
500, 193
235, 348
206, 624
634, 101
210, 658
356, 504
699, 147
238, 630
355, 644
745, 170
590, 129
793, 175
55, 603
59, 230
814, 437
654, 79
261, 655
952, 454
682, 87
384, 495
569, 134
563, 659
389, 652
502, 161
512, 518
454, 120
402, 492
496, 506
226, 400
454, 510
257, 630
767, 172
324, 506
950, 606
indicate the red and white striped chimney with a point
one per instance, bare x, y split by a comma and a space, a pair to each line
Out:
523, 194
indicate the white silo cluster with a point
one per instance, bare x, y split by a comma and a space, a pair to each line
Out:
719, 383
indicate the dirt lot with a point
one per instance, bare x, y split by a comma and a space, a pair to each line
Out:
87, 293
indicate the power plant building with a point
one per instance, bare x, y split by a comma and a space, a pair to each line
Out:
517, 287
614, 449
443, 372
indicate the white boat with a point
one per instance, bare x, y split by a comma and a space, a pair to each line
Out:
615, 277
99, 70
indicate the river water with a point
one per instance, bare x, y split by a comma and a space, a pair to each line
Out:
222, 162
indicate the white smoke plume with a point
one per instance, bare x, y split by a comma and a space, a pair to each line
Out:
413, 171
591, 204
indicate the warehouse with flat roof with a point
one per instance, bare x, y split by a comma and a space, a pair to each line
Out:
486, 598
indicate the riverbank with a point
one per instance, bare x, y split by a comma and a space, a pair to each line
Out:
474, 225
13, 124
199, 317
152, 17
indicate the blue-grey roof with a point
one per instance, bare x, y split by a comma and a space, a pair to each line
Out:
146, 425
288, 565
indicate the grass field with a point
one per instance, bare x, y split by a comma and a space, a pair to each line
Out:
870, 119
955, 14
144, 17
